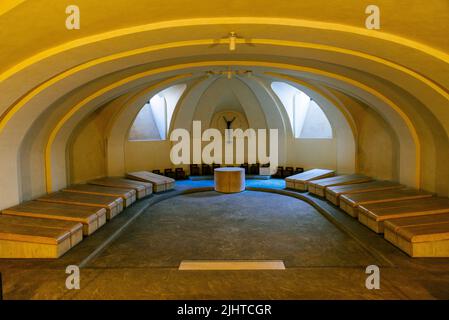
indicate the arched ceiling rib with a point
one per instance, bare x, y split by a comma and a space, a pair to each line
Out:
351, 21
79, 64
16, 107
25, 99
245, 98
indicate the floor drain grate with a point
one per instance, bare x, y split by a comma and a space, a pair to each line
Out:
232, 265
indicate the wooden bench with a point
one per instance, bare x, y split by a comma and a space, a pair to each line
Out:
142, 189
74, 228
300, 181
421, 236
113, 205
333, 193
349, 202
430, 219
318, 187
92, 218
375, 214
18, 241
160, 183
128, 195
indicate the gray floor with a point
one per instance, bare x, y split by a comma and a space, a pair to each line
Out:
325, 252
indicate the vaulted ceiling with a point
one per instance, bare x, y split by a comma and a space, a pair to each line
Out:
51, 78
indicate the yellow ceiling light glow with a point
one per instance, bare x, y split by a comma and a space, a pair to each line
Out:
297, 23
8, 5
7, 115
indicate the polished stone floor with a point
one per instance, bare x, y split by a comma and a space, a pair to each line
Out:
136, 255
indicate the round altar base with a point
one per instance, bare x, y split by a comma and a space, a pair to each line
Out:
229, 179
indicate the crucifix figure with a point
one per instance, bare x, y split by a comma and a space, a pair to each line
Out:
228, 123
228, 126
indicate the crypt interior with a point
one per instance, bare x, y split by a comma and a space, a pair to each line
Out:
87, 178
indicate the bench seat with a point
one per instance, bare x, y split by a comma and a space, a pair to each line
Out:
24, 241
74, 228
374, 215
160, 183
349, 203
92, 218
318, 187
142, 189
425, 236
113, 205
128, 195
395, 224
333, 193
300, 181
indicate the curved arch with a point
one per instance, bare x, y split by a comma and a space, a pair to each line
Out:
332, 100
45, 77
188, 105
157, 110
274, 112
414, 135
131, 107
438, 115
6, 116
319, 25
346, 157
337, 114
205, 109
407, 121
119, 125
256, 39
